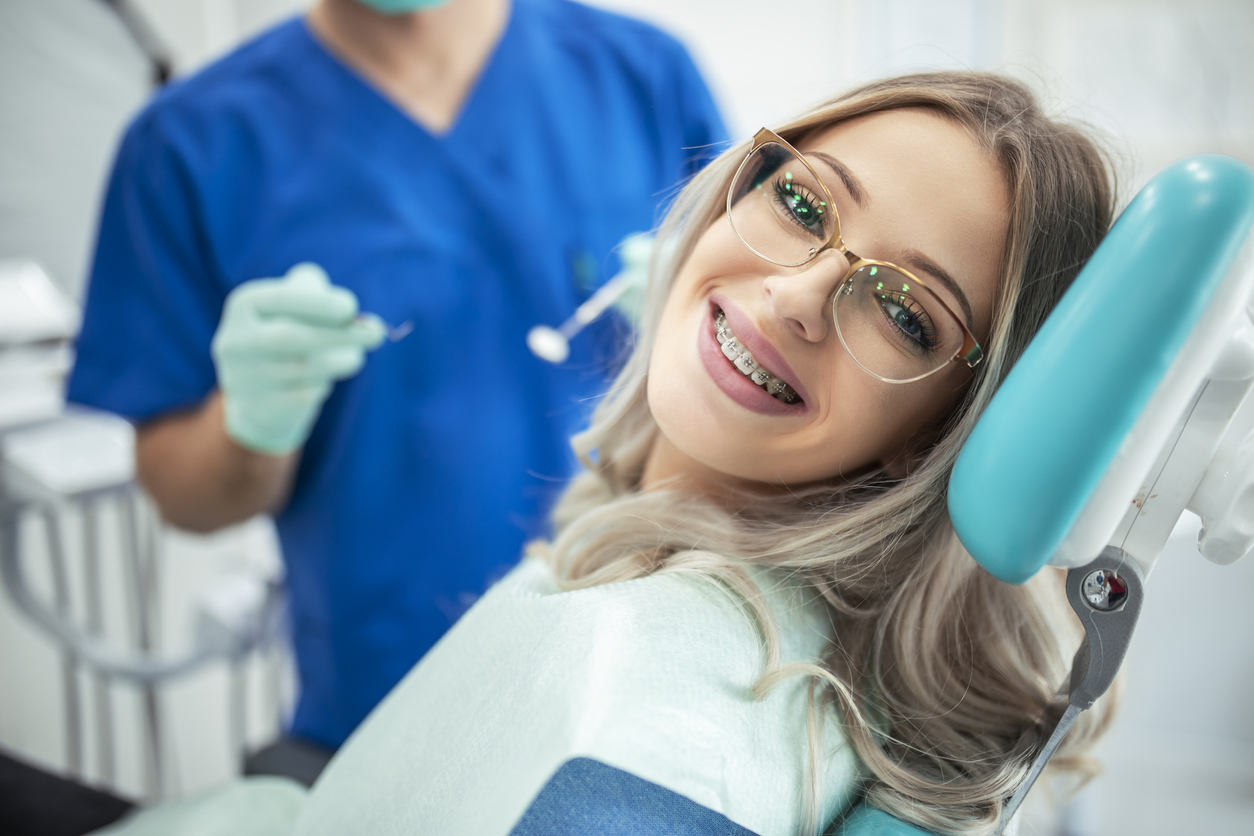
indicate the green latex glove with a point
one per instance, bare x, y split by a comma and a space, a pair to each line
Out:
280, 347
634, 251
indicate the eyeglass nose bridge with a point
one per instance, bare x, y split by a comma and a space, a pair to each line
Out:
845, 284
836, 244
845, 288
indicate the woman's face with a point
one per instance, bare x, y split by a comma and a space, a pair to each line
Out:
926, 193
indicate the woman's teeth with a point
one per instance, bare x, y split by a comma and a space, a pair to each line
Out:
744, 362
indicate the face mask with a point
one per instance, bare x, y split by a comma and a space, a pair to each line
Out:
400, 7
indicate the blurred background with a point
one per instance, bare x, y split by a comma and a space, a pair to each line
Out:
1160, 79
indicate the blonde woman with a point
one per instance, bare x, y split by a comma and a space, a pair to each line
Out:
755, 601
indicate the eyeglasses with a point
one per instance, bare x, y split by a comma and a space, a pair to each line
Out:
889, 320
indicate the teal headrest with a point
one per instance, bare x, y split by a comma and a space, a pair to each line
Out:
1057, 422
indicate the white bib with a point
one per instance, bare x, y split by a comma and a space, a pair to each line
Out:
652, 676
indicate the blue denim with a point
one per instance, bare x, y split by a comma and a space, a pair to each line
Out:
588, 798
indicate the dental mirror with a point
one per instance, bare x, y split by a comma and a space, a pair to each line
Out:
553, 344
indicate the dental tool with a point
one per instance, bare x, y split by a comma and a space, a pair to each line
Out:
399, 332
393, 333
553, 344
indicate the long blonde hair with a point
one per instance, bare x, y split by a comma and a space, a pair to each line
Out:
945, 680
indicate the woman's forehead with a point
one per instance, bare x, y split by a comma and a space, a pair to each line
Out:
902, 149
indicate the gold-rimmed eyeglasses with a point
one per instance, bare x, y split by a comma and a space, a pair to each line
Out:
892, 324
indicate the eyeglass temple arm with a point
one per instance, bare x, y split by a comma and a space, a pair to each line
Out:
763, 136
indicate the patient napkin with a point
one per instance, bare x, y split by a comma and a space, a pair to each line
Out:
652, 676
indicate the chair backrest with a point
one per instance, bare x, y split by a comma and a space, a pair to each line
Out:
1076, 446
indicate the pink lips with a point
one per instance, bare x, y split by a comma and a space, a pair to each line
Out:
728, 378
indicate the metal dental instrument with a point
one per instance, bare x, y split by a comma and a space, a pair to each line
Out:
394, 333
399, 332
553, 344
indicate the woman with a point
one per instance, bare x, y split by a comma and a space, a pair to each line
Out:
755, 597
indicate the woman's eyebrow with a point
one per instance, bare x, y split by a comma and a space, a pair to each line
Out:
919, 261
856, 191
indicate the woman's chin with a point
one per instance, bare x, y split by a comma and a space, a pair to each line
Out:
691, 453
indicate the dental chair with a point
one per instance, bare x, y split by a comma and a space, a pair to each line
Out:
1132, 405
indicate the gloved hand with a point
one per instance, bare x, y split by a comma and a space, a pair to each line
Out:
281, 345
634, 251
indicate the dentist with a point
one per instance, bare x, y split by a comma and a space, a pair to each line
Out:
466, 166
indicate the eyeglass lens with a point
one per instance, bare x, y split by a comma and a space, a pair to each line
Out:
778, 208
891, 325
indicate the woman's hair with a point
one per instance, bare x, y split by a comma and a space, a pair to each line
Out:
945, 679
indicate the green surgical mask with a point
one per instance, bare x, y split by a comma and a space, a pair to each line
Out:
400, 7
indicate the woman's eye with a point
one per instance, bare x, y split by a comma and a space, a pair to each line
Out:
910, 321
799, 205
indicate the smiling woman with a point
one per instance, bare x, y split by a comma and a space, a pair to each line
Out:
821, 442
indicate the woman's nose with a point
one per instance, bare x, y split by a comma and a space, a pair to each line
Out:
802, 298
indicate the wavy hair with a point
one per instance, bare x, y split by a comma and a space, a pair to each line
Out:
944, 679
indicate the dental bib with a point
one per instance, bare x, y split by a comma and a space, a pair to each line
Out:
652, 677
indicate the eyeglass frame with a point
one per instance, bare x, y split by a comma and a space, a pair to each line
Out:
969, 352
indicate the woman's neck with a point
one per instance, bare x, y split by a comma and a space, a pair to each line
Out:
427, 62
669, 467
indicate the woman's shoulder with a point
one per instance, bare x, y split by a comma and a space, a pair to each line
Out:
662, 670
687, 616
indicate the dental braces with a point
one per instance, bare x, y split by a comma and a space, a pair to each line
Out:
748, 366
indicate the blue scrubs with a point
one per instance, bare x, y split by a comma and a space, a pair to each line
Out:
427, 472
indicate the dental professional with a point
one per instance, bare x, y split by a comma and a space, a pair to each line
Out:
462, 166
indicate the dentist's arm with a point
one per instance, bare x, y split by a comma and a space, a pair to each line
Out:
280, 347
202, 479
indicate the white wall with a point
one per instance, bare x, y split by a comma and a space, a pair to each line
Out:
1181, 756
70, 78
1163, 78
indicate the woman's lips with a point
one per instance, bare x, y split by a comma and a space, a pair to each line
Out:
744, 360
731, 380
758, 345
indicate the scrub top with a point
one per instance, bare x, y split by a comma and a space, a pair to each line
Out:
426, 472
